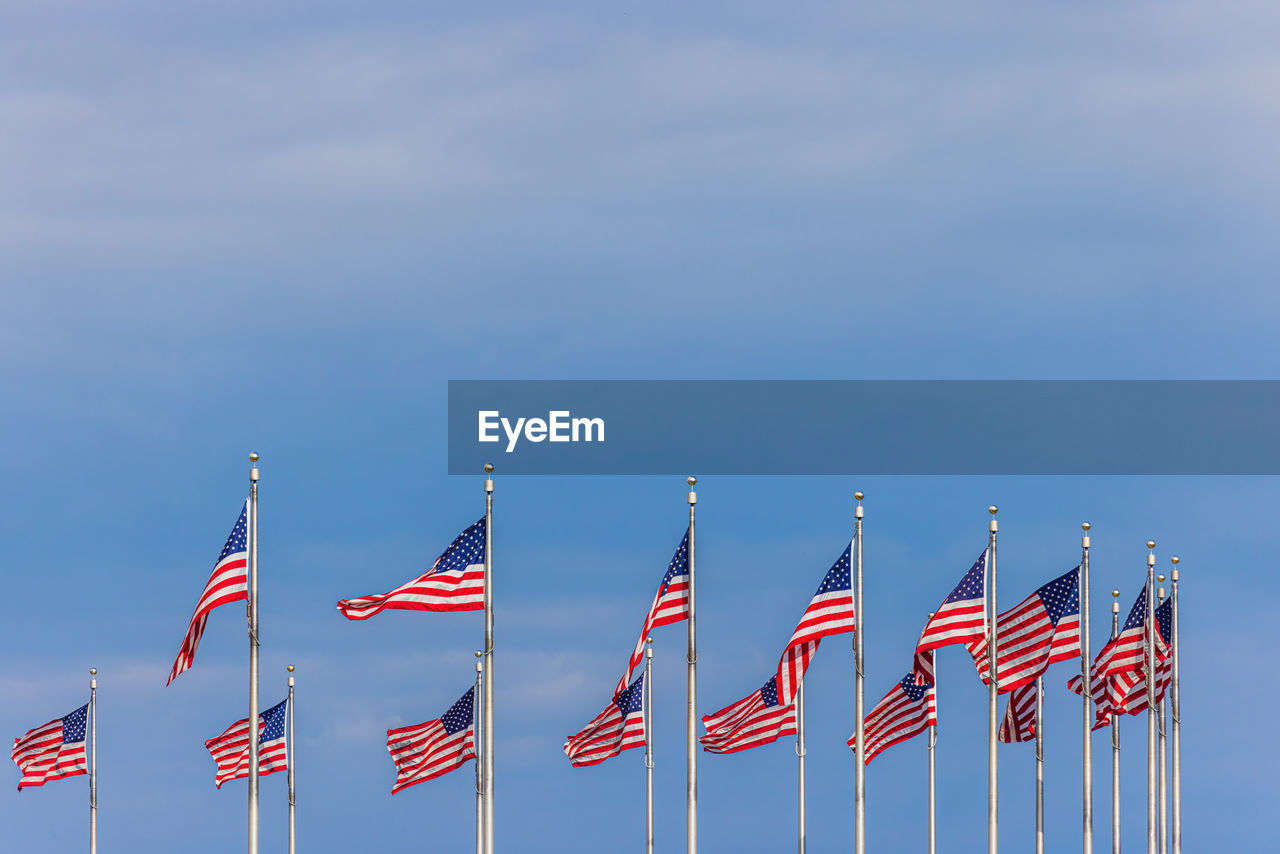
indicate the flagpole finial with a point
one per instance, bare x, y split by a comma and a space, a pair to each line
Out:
93, 671
488, 477
488, 468
691, 480
648, 647
1160, 593
253, 456
858, 496
1174, 560
290, 668
994, 524
1151, 544
479, 661
1160, 578
1086, 526
693, 496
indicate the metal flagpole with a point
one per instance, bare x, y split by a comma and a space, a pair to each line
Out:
253, 653
933, 742
1115, 740
93, 760
800, 763
1086, 673
293, 792
859, 700
648, 746
993, 721
691, 732
1161, 771
1176, 764
487, 754
1149, 658
477, 712
1039, 765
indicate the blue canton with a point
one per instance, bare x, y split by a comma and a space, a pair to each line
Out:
679, 563
973, 585
632, 699
1138, 613
460, 713
838, 577
913, 691
467, 549
1164, 621
1061, 597
73, 725
274, 719
238, 541
769, 693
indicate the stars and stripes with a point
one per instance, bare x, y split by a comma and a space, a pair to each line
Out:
229, 582
961, 618
427, 750
230, 751
53, 751
906, 711
1042, 629
1019, 722
1118, 684
455, 582
619, 727
830, 612
757, 719
670, 605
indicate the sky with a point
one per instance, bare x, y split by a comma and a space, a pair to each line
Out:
227, 227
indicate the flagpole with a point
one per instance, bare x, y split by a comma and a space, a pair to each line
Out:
476, 723
933, 741
859, 700
93, 761
1115, 740
253, 654
800, 763
1161, 772
487, 754
1150, 659
1039, 765
691, 733
293, 793
993, 721
1176, 766
648, 745
1086, 673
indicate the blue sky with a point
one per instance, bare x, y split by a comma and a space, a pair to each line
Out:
230, 228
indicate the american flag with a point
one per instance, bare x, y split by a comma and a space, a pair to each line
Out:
619, 727
230, 751
906, 711
961, 618
455, 582
53, 751
1118, 683
830, 612
670, 605
1044, 628
752, 721
425, 751
229, 582
1019, 722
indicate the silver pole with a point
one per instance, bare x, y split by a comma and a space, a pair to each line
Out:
93, 761
253, 654
1176, 765
1115, 740
1040, 765
487, 754
1086, 673
293, 758
1150, 660
648, 746
859, 700
800, 765
691, 725
993, 720
933, 742
1161, 771
477, 723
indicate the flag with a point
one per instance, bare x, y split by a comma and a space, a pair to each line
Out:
53, 751
752, 721
425, 751
229, 582
619, 727
1119, 683
670, 605
230, 751
455, 582
1019, 722
830, 612
1041, 630
961, 618
906, 711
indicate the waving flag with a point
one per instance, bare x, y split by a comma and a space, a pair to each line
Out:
752, 721
830, 612
906, 711
455, 582
230, 751
425, 751
1119, 675
53, 751
670, 605
619, 727
1041, 630
229, 582
961, 618
1019, 723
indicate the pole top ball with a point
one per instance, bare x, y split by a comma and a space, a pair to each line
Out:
1085, 525
488, 468
648, 640
1115, 593
1174, 560
858, 496
479, 654
992, 510
290, 668
1160, 578
1151, 544
253, 456
691, 480
93, 671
